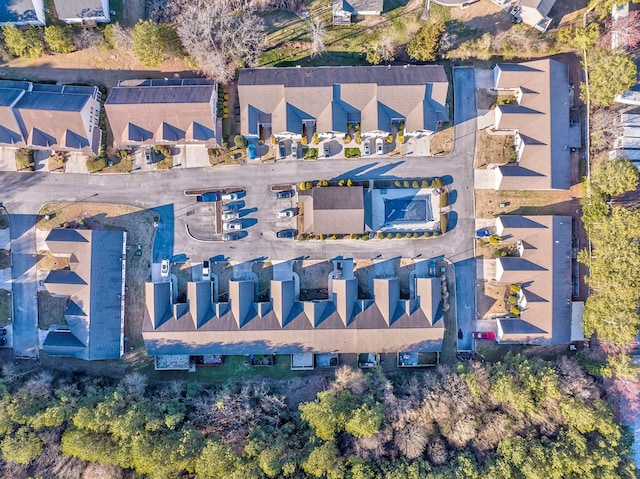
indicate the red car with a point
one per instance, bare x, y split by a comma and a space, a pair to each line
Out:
484, 335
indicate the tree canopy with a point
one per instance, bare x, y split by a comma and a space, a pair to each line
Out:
221, 36
23, 43
610, 74
154, 43
516, 418
424, 44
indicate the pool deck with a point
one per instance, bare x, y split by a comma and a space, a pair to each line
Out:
379, 215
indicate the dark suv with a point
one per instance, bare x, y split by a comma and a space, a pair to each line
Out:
284, 194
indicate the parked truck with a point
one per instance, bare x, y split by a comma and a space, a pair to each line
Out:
208, 197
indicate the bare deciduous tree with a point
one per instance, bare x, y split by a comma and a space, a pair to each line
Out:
221, 36
118, 37
40, 384
437, 451
318, 33
351, 379
88, 38
626, 31
411, 440
135, 383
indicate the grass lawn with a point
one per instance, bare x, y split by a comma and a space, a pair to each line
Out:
494, 149
235, 368
524, 203
442, 142
50, 310
289, 41
6, 311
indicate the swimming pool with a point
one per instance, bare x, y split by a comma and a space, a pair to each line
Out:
408, 210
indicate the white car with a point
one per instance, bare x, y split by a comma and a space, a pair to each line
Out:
367, 149
164, 268
229, 215
229, 196
285, 214
379, 146
231, 226
294, 151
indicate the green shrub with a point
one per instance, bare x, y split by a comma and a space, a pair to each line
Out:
347, 139
154, 43
323, 236
311, 154
443, 223
389, 235
349, 182
435, 234
408, 235
240, 141
352, 152
398, 235
389, 138
415, 184
436, 183
96, 163
59, 39
308, 185
515, 288
425, 184
315, 139
364, 237
406, 184
380, 235
515, 311
427, 234
354, 236
341, 183
397, 184
334, 237
444, 199
416, 235
513, 299
23, 43
302, 186
423, 46
495, 239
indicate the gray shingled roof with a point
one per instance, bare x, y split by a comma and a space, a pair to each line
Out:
544, 273
72, 9
542, 117
94, 287
333, 96
149, 112
287, 325
334, 210
19, 11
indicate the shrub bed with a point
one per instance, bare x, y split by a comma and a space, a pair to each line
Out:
24, 160
352, 152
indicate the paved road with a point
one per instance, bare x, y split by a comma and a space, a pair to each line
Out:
25, 304
465, 263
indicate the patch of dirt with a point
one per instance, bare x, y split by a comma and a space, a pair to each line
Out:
484, 16
139, 227
93, 66
442, 142
50, 310
526, 203
493, 149
48, 262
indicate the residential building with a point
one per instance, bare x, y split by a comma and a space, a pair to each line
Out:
534, 13
50, 117
22, 12
378, 100
285, 325
333, 209
538, 117
164, 112
94, 284
83, 11
344, 10
540, 265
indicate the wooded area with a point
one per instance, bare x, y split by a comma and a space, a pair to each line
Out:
520, 418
